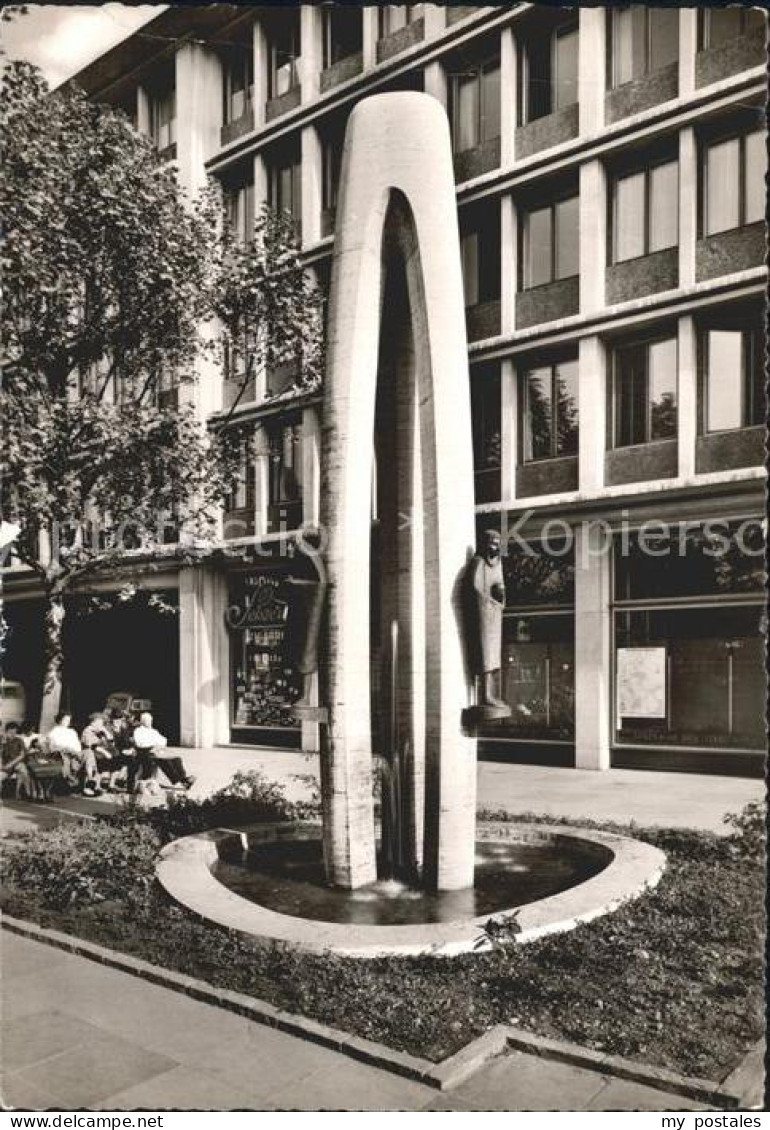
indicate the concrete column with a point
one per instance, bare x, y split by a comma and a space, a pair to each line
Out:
508, 95
261, 188
143, 111
261, 493
593, 233
311, 467
311, 46
592, 79
687, 395
592, 414
509, 416
509, 266
436, 82
370, 29
688, 49
592, 647
261, 71
198, 111
688, 204
312, 180
435, 19
203, 658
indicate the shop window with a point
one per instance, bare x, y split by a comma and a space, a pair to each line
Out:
487, 433
284, 441
550, 411
475, 104
283, 38
549, 80
645, 211
343, 33
237, 82
163, 113
733, 362
734, 171
720, 25
551, 243
285, 186
480, 255
645, 391
538, 675
239, 208
644, 40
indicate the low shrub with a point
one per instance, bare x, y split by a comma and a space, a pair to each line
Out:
82, 863
749, 835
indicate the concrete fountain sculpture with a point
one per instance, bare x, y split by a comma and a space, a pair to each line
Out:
397, 381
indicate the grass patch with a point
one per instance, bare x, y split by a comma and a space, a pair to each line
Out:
673, 979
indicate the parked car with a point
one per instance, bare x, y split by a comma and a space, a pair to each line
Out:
13, 702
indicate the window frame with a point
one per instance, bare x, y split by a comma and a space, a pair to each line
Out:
478, 70
720, 139
525, 271
637, 345
612, 83
160, 97
524, 117
244, 66
752, 391
524, 418
386, 10
329, 39
278, 166
646, 171
704, 26
294, 54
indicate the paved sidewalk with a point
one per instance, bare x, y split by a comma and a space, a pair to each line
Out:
686, 800
77, 1034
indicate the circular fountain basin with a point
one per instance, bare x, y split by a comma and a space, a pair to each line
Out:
268, 881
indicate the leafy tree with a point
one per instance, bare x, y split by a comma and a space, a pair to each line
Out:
121, 296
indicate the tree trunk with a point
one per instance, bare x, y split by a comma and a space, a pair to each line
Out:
52, 682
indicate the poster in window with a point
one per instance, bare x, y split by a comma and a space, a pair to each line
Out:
641, 682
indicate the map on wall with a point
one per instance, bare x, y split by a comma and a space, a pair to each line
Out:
641, 682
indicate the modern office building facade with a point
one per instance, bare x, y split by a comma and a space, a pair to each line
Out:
610, 173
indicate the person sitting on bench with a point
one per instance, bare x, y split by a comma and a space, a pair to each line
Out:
151, 754
14, 762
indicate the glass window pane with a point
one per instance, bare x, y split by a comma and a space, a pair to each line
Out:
629, 46
538, 252
662, 360
630, 396
537, 60
566, 76
753, 20
490, 102
664, 37
664, 206
756, 169
469, 254
466, 112
756, 409
568, 238
566, 390
538, 438
724, 380
629, 217
722, 24
722, 186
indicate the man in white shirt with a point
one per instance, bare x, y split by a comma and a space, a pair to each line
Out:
151, 754
79, 764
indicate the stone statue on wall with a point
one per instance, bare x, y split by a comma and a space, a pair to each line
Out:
304, 591
485, 601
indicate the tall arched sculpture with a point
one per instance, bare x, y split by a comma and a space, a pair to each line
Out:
397, 198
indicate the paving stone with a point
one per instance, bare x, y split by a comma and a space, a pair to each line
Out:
353, 1086
525, 1082
184, 1088
38, 1036
22, 1093
624, 1095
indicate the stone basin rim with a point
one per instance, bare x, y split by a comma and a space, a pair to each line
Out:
184, 870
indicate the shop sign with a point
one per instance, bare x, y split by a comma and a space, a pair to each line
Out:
258, 603
641, 682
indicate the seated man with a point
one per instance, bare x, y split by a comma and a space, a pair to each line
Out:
14, 762
79, 764
151, 754
98, 739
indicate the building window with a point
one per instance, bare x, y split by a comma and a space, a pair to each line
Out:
237, 82
343, 33
734, 182
283, 36
645, 212
549, 73
643, 40
645, 389
475, 93
480, 256
733, 361
487, 433
239, 518
331, 158
550, 411
163, 114
284, 476
239, 207
394, 17
720, 25
551, 243
285, 187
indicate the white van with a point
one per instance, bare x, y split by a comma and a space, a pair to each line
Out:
13, 702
